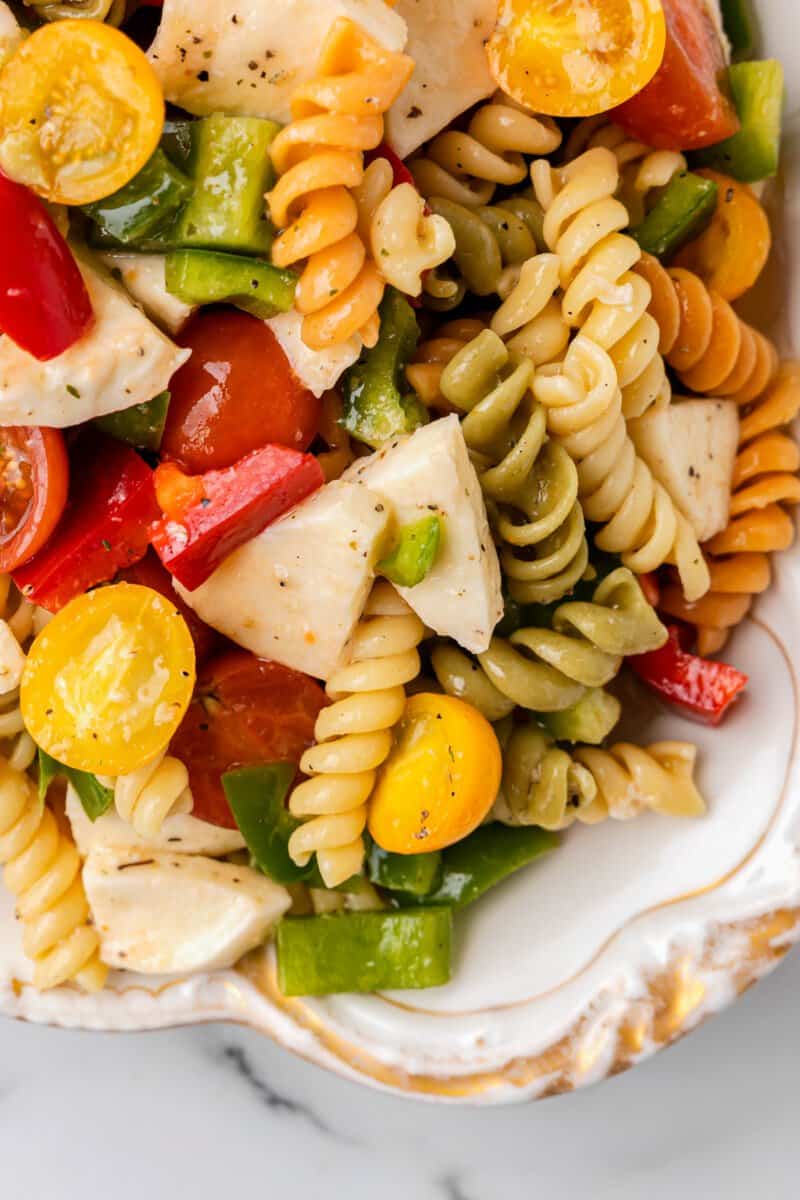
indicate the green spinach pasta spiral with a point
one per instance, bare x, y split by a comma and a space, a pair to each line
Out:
548, 669
529, 481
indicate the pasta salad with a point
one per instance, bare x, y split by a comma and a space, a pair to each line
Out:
375, 397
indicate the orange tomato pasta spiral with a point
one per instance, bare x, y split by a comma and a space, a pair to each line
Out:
602, 294
319, 158
765, 479
354, 737
43, 873
713, 351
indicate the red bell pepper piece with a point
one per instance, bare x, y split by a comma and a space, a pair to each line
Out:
150, 572
206, 517
106, 524
44, 304
400, 171
700, 687
650, 587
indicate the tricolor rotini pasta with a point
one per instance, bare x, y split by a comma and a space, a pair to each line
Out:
147, 796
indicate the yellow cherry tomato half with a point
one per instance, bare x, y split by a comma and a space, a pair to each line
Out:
733, 250
440, 780
108, 680
574, 58
81, 111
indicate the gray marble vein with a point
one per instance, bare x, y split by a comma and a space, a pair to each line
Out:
236, 1057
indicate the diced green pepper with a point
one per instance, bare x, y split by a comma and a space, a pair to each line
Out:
375, 409
415, 553
418, 874
681, 213
211, 277
95, 798
738, 25
590, 720
256, 796
176, 141
752, 153
232, 170
482, 860
142, 425
144, 207
364, 952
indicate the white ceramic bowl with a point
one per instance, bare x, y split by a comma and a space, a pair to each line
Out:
616, 945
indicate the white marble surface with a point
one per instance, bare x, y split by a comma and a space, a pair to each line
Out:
216, 1111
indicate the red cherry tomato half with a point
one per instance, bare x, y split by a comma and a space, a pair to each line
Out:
34, 480
150, 572
684, 107
235, 394
246, 710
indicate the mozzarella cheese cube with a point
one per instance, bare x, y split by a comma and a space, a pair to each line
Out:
446, 40
318, 370
122, 360
165, 913
295, 592
690, 446
180, 834
143, 277
247, 56
431, 472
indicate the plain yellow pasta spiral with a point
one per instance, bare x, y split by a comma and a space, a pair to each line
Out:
319, 158
642, 169
466, 166
147, 796
617, 489
354, 736
602, 294
43, 873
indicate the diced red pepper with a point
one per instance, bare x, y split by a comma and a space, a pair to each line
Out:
106, 524
700, 687
400, 171
150, 572
44, 304
206, 517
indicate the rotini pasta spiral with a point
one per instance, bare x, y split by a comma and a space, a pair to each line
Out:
319, 159
549, 669
43, 873
339, 453
466, 166
147, 796
424, 372
545, 785
642, 169
765, 478
354, 736
617, 489
602, 294
110, 11
20, 621
712, 349
530, 482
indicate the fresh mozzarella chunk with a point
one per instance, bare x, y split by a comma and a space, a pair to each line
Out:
162, 913
295, 592
143, 277
248, 56
690, 447
446, 40
12, 660
181, 834
430, 472
317, 370
10, 33
121, 361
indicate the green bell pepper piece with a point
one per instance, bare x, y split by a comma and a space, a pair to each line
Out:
415, 553
418, 874
590, 720
738, 25
142, 425
485, 858
176, 142
232, 170
211, 277
681, 213
754, 152
375, 408
256, 796
144, 207
95, 798
364, 952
